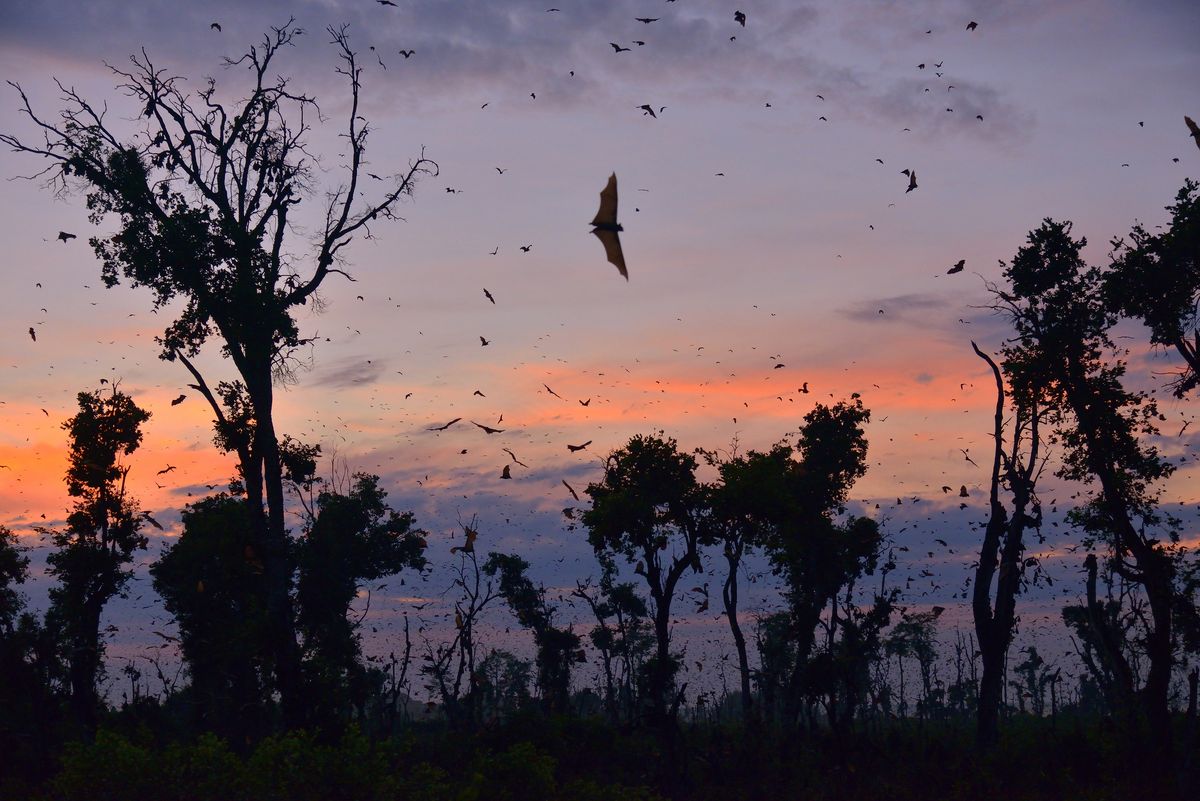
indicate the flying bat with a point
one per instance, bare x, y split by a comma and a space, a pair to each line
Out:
617, 48
166, 469
179, 400
648, 109
957, 268
574, 448
443, 428
506, 472
912, 180
408, 54
606, 228
216, 26
63, 236
552, 392
1191, 124
488, 295
647, 20
972, 25
570, 489
739, 18
32, 334
488, 430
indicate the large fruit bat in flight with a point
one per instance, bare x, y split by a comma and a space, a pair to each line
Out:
607, 229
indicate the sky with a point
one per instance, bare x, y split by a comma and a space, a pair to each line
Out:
768, 249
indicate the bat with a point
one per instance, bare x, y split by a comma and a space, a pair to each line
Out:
488, 430
443, 428
216, 26
912, 180
607, 229
552, 392
63, 236
506, 472
570, 489
957, 268
179, 400
1191, 124
574, 448
972, 25
617, 48
739, 18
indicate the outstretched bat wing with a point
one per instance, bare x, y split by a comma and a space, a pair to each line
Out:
607, 215
612, 246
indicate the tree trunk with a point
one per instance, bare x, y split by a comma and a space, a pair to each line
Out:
277, 563
729, 594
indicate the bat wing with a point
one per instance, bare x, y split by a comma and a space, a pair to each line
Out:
612, 246
607, 215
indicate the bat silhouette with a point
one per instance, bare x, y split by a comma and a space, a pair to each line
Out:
216, 26
443, 428
648, 109
552, 392
570, 489
32, 334
972, 25
514, 457
488, 430
484, 342
617, 48
574, 448
1193, 128
63, 236
606, 228
957, 268
488, 295
739, 18
409, 53
179, 400
912, 180
647, 20
506, 472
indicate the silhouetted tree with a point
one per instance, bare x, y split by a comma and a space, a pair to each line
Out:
557, 648
450, 664
793, 499
648, 509
733, 513
102, 534
624, 644
354, 537
212, 581
204, 195
1014, 469
1103, 645
1061, 320
1155, 278
26, 702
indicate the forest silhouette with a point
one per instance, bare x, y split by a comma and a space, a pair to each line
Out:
278, 700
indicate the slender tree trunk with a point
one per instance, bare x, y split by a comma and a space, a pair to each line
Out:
729, 594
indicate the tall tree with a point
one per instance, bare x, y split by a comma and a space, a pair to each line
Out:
648, 510
102, 534
733, 502
1001, 564
1062, 321
354, 537
557, 648
204, 194
211, 579
797, 503
1155, 278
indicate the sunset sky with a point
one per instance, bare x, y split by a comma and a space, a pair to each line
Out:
757, 234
